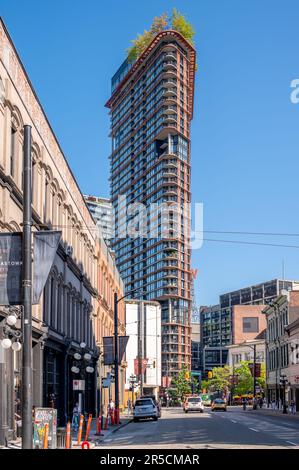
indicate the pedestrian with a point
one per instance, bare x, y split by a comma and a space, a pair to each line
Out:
111, 405
75, 418
261, 402
273, 404
244, 402
129, 404
293, 407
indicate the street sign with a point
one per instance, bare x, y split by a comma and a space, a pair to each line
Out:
78, 384
106, 382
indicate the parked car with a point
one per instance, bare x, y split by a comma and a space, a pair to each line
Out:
156, 401
145, 408
193, 404
219, 404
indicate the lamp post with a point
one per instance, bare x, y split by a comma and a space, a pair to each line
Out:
253, 347
81, 365
27, 428
116, 352
284, 382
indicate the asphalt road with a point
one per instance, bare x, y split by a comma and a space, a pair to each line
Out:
232, 429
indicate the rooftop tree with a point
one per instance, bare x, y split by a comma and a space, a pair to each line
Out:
177, 22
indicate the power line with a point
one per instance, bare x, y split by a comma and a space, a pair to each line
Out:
243, 242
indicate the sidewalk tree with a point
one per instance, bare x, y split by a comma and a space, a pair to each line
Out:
181, 384
220, 380
245, 379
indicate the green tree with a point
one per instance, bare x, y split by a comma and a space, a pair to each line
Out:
181, 384
245, 379
220, 380
180, 24
159, 24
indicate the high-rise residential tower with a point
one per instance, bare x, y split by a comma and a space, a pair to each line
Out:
151, 108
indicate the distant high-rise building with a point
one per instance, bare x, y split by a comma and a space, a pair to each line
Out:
102, 211
151, 108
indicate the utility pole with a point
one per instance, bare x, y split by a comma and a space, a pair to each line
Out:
254, 375
27, 295
116, 384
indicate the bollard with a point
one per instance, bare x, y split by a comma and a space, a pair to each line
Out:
68, 436
80, 429
88, 427
85, 445
46, 436
99, 426
106, 423
112, 417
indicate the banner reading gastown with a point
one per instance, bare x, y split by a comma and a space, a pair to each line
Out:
44, 251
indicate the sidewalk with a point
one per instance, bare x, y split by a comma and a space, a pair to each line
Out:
271, 412
93, 439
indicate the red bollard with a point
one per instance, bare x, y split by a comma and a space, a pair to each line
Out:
112, 417
116, 416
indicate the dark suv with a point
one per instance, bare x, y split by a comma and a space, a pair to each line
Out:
156, 402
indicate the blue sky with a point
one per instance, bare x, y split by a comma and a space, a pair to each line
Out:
245, 132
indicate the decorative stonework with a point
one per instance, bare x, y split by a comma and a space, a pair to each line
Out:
18, 76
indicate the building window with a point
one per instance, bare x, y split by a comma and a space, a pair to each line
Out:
13, 136
250, 325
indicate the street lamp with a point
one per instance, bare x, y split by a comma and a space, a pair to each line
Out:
81, 365
254, 406
116, 360
284, 382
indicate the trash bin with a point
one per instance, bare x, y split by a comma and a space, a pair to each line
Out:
61, 438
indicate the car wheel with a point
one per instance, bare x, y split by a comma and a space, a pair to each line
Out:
155, 418
136, 420
201, 411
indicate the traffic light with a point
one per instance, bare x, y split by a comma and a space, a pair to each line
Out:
210, 374
154, 364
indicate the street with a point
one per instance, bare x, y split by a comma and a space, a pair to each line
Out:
210, 430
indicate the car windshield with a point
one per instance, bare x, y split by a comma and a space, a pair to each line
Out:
194, 400
219, 401
143, 402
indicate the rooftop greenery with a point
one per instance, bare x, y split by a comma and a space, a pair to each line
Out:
176, 21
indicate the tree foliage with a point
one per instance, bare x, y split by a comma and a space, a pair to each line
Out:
177, 22
220, 380
180, 24
181, 385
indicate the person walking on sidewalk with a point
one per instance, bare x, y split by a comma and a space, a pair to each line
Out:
129, 404
293, 407
244, 402
75, 419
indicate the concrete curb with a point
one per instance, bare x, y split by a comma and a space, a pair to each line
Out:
98, 440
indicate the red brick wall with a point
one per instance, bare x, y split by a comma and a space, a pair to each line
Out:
242, 311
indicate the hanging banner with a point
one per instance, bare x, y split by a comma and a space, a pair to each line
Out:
10, 268
45, 247
108, 342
